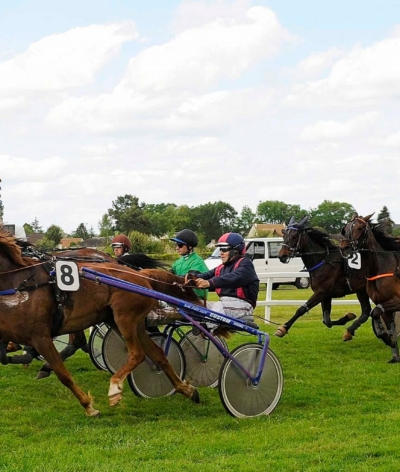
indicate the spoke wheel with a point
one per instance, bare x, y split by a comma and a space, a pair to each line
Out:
239, 397
148, 381
60, 342
95, 343
114, 351
203, 360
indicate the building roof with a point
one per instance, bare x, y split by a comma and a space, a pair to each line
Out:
261, 229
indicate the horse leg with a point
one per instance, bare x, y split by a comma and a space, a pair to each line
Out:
363, 298
311, 303
76, 341
47, 349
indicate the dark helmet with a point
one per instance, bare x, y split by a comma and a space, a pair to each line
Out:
187, 237
232, 240
120, 241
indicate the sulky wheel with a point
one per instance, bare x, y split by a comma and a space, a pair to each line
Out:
239, 397
147, 380
95, 343
203, 360
114, 351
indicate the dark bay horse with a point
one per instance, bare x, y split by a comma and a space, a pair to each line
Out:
379, 255
330, 275
28, 307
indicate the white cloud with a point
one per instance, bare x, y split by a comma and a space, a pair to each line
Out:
363, 76
168, 85
330, 129
318, 62
18, 168
393, 140
65, 60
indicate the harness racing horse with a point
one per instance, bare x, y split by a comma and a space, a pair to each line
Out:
136, 261
329, 272
28, 306
379, 255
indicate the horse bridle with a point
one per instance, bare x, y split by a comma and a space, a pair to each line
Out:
293, 251
348, 235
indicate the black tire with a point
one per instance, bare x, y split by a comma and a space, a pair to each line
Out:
148, 381
203, 360
239, 397
302, 282
60, 343
95, 344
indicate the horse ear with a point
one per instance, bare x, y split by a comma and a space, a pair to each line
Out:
303, 221
355, 215
291, 221
367, 218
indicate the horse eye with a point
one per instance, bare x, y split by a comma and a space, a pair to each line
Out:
343, 232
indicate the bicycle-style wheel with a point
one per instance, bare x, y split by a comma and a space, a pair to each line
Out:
95, 343
60, 342
114, 351
239, 397
149, 381
203, 360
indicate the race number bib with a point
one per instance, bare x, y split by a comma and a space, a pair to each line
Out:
355, 261
67, 276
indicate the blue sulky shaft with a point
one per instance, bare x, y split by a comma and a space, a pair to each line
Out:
188, 311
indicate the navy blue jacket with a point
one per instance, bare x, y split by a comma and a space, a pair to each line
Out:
231, 279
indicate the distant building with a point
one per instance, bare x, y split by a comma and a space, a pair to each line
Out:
261, 230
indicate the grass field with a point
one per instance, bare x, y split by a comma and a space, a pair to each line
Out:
339, 412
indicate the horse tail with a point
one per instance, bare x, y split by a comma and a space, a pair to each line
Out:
170, 284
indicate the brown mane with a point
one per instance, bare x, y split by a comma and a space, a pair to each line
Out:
9, 248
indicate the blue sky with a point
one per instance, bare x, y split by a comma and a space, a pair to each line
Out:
195, 101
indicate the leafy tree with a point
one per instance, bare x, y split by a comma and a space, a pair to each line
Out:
276, 212
36, 227
81, 232
54, 234
106, 226
384, 219
214, 219
127, 215
28, 229
331, 216
245, 220
145, 244
46, 244
1, 210
161, 217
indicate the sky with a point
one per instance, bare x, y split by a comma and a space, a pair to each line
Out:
190, 102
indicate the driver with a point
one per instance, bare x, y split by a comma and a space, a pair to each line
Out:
235, 280
121, 245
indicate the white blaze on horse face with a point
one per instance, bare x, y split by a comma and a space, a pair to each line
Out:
12, 301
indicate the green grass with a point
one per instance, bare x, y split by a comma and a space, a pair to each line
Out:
339, 412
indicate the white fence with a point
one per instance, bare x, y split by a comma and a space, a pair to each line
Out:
268, 278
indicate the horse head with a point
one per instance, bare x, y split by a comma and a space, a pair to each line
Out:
355, 234
291, 239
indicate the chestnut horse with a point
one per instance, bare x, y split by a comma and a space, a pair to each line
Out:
28, 307
379, 255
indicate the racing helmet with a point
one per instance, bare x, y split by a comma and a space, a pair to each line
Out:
120, 241
233, 241
187, 237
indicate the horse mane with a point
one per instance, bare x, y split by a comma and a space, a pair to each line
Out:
139, 261
170, 284
321, 238
10, 249
386, 241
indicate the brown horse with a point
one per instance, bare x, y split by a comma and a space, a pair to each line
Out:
28, 308
329, 272
379, 255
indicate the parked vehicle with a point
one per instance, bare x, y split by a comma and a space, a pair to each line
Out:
264, 254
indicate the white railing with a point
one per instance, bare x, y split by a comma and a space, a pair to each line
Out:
268, 278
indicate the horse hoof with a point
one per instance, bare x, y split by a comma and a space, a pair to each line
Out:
393, 360
93, 413
115, 399
351, 316
42, 374
347, 336
327, 323
195, 396
280, 332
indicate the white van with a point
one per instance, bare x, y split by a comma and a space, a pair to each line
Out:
264, 254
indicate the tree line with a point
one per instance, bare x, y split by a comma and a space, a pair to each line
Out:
130, 216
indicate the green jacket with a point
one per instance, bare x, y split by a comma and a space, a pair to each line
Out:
191, 261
